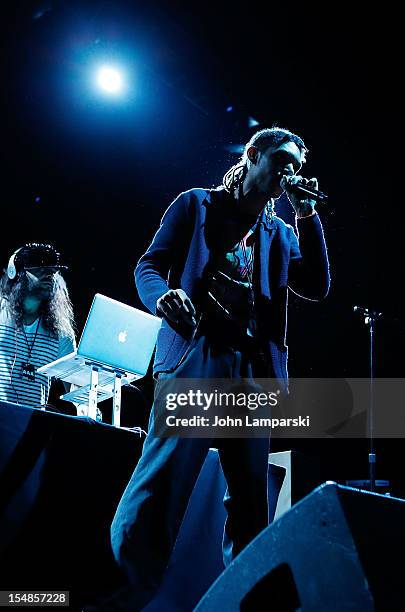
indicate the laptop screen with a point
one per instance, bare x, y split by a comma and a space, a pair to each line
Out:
119, 335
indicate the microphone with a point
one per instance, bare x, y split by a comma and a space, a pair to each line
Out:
301, 188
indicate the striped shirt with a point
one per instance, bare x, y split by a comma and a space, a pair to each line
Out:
14, 353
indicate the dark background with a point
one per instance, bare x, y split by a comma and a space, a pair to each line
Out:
94, 175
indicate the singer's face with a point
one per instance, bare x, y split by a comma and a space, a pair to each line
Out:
273, 164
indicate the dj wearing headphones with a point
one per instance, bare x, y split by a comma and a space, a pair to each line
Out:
36, 323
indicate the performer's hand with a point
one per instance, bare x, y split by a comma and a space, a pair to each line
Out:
303, 206
176, 306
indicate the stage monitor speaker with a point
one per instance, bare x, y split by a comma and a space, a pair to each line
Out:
337, 549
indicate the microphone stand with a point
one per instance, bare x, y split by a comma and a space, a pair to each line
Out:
370, 318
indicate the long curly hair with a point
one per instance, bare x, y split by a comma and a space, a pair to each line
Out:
56, 312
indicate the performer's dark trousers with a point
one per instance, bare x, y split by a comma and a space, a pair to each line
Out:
151, 510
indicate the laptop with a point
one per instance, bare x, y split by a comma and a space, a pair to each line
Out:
116, 336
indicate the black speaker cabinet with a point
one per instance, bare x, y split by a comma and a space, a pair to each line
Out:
337, 549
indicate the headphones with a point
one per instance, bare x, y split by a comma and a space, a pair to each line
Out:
11, 266
33, 254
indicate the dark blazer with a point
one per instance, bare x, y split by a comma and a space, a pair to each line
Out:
183, 249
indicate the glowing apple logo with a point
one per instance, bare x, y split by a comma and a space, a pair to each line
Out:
122, 336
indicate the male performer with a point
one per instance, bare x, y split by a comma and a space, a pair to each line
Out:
36, 323
217, 272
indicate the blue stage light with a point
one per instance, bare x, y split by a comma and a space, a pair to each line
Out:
110, 80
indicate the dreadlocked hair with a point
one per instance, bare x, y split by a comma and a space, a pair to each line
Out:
234, 177
262, 140
56, 312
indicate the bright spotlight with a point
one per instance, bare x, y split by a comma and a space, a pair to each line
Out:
110, 80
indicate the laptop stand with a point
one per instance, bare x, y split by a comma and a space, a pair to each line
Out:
103, 382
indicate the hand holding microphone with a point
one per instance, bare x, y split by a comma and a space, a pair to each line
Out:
303, 194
